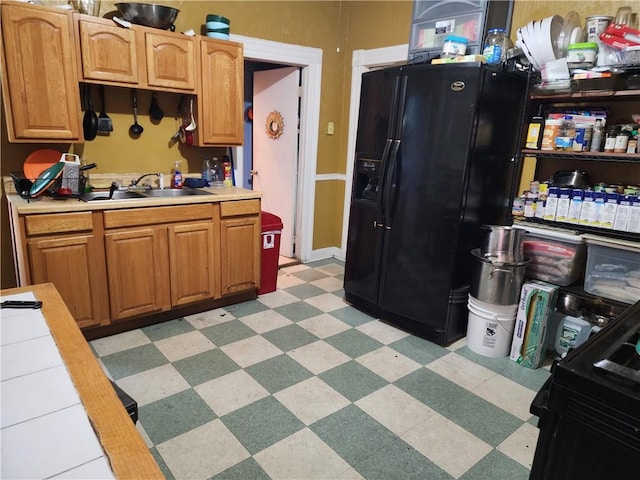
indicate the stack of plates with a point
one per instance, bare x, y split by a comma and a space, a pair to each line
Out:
538, 40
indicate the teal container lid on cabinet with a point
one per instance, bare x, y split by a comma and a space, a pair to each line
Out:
457, 39
217, 18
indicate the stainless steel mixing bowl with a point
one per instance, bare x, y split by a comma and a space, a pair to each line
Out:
149, 15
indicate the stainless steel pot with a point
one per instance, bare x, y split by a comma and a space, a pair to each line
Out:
571, 178
496, 282
503, 243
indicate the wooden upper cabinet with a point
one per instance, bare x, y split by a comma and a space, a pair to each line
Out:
221, 98
40, 84
171, 61
108, 53
143, 57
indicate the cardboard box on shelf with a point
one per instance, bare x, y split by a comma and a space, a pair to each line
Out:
537, 301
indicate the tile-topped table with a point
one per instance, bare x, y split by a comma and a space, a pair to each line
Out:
60, 416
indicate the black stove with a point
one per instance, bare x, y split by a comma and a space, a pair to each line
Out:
624, 360
589, 409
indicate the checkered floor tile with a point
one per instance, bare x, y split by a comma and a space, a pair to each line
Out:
299, 385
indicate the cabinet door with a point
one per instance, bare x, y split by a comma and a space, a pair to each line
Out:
171, 61
109, 53
240, 253
73, 265
137, 267
40, 82
192, 263
220, 103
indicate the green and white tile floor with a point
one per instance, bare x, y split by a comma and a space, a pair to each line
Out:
299, 385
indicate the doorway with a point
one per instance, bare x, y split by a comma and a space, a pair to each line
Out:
271, 157
309, 61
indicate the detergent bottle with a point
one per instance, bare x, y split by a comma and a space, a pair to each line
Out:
176, 175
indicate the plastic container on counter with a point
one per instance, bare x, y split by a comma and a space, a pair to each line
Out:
556, 257
596, 24
454, 46
582, 54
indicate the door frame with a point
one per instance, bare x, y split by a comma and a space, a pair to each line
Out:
362, 61
310, 62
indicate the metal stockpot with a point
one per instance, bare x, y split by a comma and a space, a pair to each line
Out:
496, 282
503, 244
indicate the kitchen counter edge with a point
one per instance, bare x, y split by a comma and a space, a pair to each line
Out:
52, 205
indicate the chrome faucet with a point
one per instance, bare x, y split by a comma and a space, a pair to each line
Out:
134, 183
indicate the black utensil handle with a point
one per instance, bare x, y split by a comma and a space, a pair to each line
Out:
88, 166
134, 98
21, 304
90, 103
104, 105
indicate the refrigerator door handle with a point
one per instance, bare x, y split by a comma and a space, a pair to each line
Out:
384, 161
391, 185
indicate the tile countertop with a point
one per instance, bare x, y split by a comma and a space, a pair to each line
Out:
60, 414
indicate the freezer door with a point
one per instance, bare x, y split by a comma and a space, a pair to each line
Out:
376, 125
426, 188
376, 120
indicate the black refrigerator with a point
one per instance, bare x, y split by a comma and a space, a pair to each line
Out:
434, 161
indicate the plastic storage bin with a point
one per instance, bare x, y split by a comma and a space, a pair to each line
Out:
271, 230
556, 257
613, 269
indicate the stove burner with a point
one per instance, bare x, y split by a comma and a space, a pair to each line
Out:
624, 361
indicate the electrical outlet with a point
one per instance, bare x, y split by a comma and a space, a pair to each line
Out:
330, 128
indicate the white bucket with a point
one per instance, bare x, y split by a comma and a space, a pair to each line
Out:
489, 332
491, 308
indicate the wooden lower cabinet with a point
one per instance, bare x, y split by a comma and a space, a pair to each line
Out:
138, 273
193, 263
114, 265
157, 260
73, 265
72, 262
240, 246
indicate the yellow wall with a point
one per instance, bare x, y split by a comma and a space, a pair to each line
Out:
336, 27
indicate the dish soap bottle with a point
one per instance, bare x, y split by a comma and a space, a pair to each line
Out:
176, 175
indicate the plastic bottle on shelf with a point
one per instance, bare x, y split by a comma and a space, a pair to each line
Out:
496, 46
597, 136
535, 129
622, 139
610, 139
566, 135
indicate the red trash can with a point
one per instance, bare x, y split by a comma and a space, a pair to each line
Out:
271, 230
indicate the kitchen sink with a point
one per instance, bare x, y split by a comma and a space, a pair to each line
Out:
117, 195
174, 192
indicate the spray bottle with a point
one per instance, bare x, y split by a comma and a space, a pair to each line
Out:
176, 175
